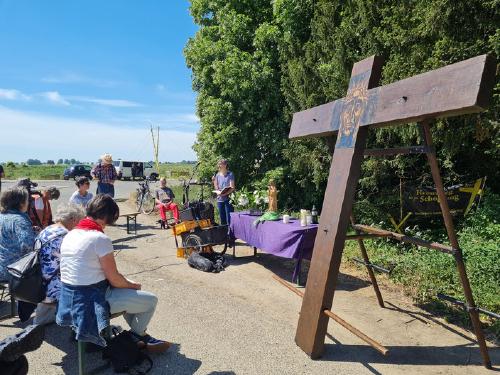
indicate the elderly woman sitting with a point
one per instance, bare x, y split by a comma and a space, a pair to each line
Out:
92, 287
16, 233
66, 218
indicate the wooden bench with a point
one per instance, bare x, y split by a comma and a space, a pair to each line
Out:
131, 217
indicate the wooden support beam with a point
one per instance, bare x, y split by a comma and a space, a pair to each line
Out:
371, 236
463, 87
403, 238
374, 344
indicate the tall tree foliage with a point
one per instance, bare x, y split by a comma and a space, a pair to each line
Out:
235, 63
257, 62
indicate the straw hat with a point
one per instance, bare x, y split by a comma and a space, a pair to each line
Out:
107, 159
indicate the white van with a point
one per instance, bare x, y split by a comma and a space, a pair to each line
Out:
127, 170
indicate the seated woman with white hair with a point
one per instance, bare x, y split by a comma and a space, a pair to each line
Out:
50, 239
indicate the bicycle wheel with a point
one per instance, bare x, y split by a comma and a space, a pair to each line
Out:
192, 243
138, 201
148, 203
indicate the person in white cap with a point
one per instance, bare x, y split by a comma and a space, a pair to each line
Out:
105, 174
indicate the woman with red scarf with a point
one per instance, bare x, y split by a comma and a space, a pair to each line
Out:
91, 282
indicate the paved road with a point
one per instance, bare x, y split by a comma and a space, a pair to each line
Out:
241, 321
122, 188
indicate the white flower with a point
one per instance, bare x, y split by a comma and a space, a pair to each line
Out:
266, 199
243, 200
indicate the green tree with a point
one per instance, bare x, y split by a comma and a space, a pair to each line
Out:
235, 62
255, 63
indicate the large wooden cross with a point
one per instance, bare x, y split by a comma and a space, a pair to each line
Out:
464, 87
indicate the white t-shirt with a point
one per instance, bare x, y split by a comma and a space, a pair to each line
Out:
80, 253
39, 203
80, 200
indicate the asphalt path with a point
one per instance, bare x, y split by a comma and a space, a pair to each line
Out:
122, 188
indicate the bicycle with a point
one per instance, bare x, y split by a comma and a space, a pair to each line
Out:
145, 201
186, 202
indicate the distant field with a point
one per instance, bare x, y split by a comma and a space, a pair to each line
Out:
55, 172
176, 170
35, 172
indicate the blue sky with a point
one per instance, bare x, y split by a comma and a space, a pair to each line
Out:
81, 78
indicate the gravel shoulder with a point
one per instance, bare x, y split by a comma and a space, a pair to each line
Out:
241, 321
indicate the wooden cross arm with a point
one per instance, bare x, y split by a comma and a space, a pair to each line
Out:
460, 88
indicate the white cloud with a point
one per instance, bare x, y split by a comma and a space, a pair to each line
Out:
54, 97
121, 103
11, 94
191, 118
53, 137
75, 78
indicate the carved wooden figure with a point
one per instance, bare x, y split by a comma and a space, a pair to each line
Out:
272, 194
456, 89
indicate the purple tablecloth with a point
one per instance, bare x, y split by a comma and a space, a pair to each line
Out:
273, 237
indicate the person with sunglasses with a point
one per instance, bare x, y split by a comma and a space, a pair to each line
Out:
82, 196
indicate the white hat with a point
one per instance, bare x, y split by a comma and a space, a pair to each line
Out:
107, 159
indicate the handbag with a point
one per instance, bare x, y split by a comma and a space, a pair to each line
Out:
26, 282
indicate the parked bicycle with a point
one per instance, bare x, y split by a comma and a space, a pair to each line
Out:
145, 201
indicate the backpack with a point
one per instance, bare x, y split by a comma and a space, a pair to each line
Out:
124, 354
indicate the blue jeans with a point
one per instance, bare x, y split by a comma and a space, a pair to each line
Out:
224, 209
103, 188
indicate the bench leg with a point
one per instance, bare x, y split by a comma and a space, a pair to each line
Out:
12, 307
128, 224
81, 357
135, 225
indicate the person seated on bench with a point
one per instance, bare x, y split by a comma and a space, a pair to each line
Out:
66, 218
165, 202
92, 288
82, 196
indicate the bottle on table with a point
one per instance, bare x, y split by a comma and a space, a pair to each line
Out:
314, 214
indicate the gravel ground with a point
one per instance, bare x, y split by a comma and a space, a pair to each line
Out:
241, 321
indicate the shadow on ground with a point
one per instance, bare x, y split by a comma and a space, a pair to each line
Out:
284, 267
171, 362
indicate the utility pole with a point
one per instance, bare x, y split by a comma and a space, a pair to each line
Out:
156, 144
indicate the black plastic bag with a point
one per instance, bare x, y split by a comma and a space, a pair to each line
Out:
207, 262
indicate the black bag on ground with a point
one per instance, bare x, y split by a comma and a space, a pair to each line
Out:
207, 262
26, 282
124, 354
28, 340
